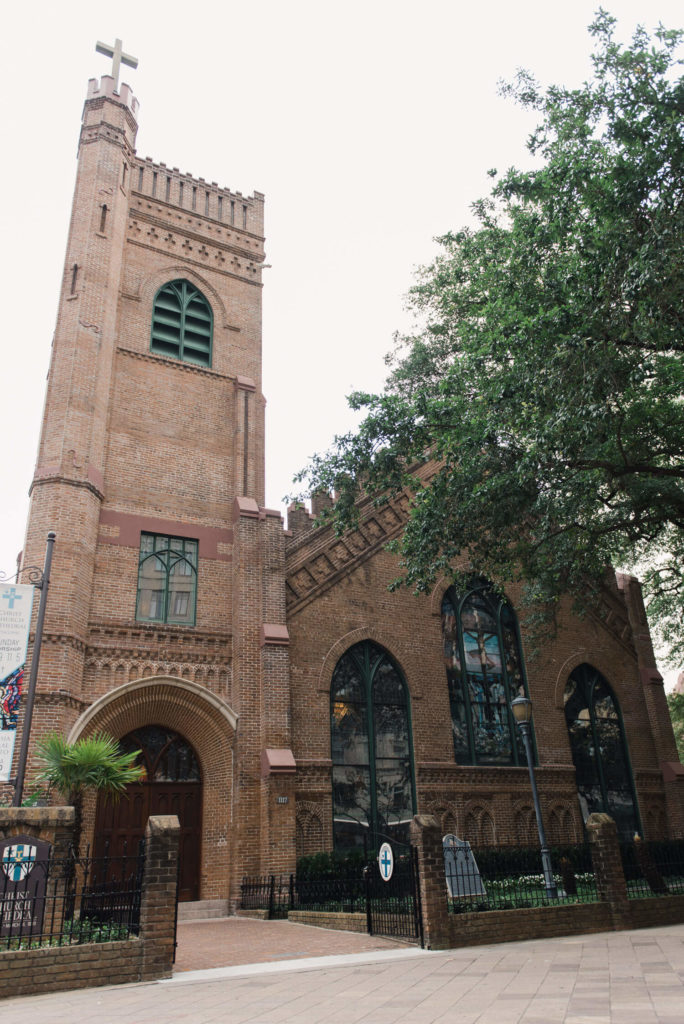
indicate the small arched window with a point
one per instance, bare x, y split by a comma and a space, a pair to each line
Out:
599, 750
485, 673
182, 324
167, 579
373, 781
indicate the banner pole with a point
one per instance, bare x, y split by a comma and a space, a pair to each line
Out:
30, 697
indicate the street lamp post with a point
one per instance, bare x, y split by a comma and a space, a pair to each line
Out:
42, 581
522, 712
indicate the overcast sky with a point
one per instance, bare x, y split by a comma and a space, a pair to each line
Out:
368, 125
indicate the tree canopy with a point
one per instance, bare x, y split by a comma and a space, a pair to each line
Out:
546, 375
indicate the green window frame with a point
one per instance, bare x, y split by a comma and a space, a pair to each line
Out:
373, 777
167, 580
182, 324
485, 672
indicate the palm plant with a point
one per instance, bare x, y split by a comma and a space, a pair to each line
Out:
91, 763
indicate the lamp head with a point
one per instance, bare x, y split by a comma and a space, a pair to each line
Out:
522, 710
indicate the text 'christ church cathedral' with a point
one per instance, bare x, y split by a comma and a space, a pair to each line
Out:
284, 700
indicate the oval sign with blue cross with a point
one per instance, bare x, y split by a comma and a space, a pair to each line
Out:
386, 862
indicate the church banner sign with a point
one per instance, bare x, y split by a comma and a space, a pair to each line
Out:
16, 604
23, 882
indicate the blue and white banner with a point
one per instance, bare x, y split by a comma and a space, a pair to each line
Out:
16, 604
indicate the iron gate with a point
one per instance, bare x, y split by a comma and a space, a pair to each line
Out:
393, 908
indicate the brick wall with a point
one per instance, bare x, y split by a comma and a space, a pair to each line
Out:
35, 971
338, 595
444, 930
150, 956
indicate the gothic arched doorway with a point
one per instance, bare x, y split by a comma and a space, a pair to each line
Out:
172, 785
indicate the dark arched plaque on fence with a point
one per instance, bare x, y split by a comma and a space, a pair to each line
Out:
23, 881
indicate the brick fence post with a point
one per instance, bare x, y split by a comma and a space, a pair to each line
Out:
426, 836
158, 904
610, 876
55, 825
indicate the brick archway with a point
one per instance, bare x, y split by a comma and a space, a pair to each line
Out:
209, 725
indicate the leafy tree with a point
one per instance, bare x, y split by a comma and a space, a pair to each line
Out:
93, 762
675, 703
546, 377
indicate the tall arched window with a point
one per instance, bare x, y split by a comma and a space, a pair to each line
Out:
182, 324
599, 750
484, 673
373, 781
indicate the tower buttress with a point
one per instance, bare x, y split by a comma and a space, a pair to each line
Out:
67, 488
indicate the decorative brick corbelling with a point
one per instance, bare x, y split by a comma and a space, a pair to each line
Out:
319, 560
63, 640
197, 263
60, 699
491, 777
123, 635
176, 363
199, 237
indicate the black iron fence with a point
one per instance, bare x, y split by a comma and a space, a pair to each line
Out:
391, 908
279, 894
69, 900
653, 868
267, 892
509, 878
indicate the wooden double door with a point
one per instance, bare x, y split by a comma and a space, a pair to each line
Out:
172, 786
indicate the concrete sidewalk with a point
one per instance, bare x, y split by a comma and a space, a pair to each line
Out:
611, 978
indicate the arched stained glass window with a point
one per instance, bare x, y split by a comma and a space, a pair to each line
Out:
599, 750
373, 780
484, 674
165, 755
182, 324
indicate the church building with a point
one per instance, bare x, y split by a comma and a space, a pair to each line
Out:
284, 700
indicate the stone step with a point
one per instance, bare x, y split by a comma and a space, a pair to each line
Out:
201, 910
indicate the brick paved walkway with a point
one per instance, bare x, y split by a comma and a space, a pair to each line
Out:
229, 941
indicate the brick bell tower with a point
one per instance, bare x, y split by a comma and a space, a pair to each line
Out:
153, 440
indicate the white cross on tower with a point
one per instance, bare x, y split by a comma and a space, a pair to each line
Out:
118, 58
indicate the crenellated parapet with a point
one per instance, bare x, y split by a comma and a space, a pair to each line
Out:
208, 201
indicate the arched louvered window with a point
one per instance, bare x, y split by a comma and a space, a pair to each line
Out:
370, 725
484, 672
599, 750
182, 324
